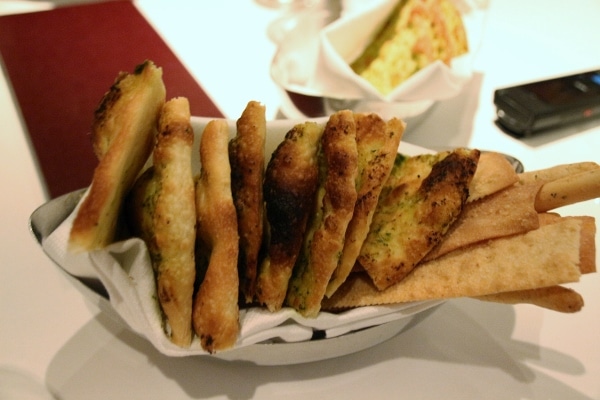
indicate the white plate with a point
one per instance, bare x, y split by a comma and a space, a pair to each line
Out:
50, 215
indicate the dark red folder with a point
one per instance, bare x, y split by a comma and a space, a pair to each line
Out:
61, 62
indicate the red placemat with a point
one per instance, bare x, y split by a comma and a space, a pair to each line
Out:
60, 63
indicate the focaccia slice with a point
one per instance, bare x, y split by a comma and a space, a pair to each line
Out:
247, 160
123, 134
336, 197
377, 145
423, 196
215, 310
162, 212
290, 184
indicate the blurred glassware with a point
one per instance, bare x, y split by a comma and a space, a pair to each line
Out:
323, 11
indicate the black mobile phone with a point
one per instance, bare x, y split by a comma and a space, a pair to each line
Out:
539, 106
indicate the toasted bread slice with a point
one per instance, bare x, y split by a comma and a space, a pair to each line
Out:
377, 144
123, 134
291, 181
424, 195
336, 197
247, 160
216, 312
163, 210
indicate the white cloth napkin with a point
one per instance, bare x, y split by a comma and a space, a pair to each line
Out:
313, 59
125, 270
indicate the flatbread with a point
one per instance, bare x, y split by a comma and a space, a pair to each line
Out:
336, 197
421, 199
123, 134
216, 310
543, 257
162, 212
291, 181
587, 248
507, 212
493, 174
377, 144
247, 160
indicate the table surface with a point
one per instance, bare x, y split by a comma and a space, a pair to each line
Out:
52, 335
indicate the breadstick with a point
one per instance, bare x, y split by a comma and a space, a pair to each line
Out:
557, 172
568, 190
555, 298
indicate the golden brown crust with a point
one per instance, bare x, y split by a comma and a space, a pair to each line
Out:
103, 130
216, 312
247, 159
291, 181
175, 218
123, 133
377, 144
162, 211
334, 208
422, 198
